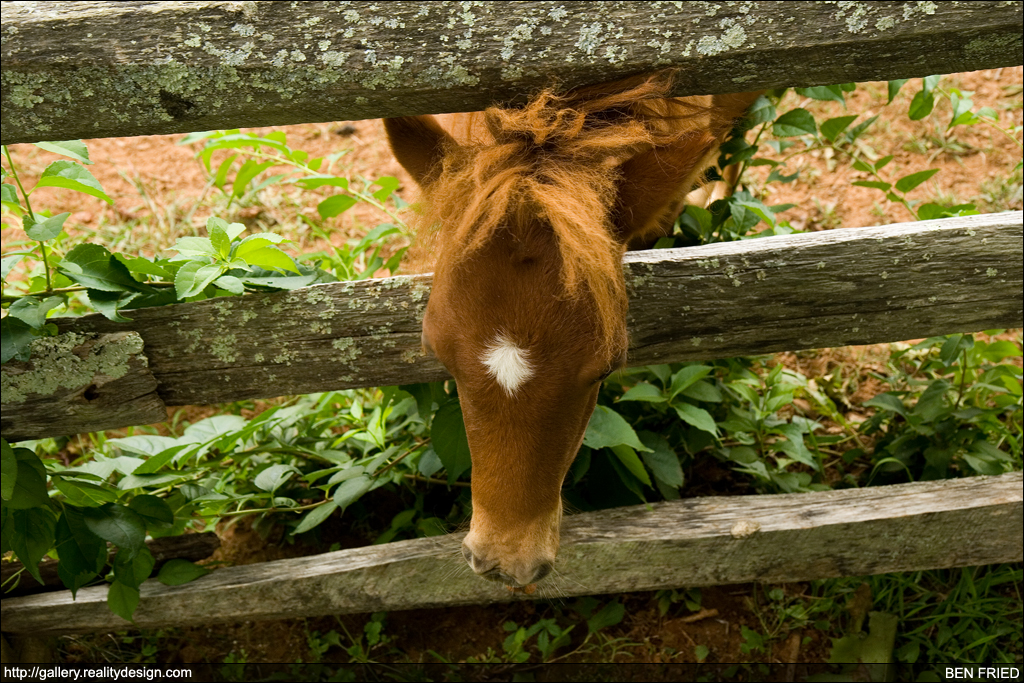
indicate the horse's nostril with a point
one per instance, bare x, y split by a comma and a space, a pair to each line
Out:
478, 565
542, 571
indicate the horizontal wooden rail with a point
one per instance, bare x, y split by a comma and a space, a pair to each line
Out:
817, 290
696, 542
99, 69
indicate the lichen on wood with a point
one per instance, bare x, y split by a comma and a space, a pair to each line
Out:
173, 67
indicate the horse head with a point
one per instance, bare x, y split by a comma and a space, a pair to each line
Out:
529, 211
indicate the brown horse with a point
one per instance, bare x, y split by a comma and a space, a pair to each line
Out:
529, 210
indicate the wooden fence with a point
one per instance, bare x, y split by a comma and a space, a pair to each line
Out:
193, 66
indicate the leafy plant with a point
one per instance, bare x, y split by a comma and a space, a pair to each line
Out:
954, 407
219, 264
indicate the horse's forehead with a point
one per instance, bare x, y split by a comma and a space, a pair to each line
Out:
508, 363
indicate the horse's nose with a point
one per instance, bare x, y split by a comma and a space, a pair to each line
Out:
491, 569
480, 566
543, 570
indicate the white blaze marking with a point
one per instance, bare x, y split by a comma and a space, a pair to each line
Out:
507, 363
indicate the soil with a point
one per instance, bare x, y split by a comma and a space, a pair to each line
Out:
160, 192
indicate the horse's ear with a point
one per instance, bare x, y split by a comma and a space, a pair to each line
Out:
655, 182
654, 185
418, 143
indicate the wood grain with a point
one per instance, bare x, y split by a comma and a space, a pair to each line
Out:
695, 542
79, 382
142, 68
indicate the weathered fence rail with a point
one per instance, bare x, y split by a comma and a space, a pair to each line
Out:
818, 290
205, 65
696, 542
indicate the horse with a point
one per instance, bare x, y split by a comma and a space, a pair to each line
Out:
528, 211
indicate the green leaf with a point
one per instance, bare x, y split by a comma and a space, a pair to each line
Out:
832, 128
270, 258
448, 433
889, 402
795, 123
9, 198
139, 264
193, 277
34, 532
661, 459
607, 429
387, 185
195, 246
83, 493
894, 87
316, 517
29, 489
998, 350
876, 184
823, 92
258, 241
81, 553
215, 427
122, 600
610, 615
687, 376
855, 132
178, 572
8, 470
33, 310
15, 339
110, 303
761, 111
335, 204
953, 346
703, 391
628, 457
644, 392
75, 149
794, 445
221, 176
46, 229
875, 648
230, 283
314, 181
133, 570
219, 239
249, 170
72, 176
909, 182
118, 524
698, 417
921, 106
351, 490
7, 263
93, 266
272, 477
152, 509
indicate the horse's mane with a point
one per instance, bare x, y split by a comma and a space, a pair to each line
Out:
557, 159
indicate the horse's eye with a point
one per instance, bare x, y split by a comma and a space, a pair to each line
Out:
605, 376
